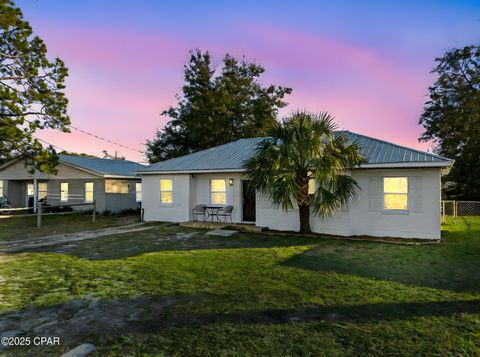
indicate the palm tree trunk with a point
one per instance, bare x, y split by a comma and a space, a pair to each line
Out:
304, 212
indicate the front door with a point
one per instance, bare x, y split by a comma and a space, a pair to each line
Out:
248, 201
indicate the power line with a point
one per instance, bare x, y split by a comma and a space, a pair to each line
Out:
46, 142
95, 136
107, 140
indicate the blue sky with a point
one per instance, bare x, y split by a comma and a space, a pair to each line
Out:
367, 62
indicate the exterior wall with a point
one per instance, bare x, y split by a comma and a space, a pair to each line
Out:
118, 201
16, 177
154, 210
15, 191
366, 216
188, 191
234, 192
76, 193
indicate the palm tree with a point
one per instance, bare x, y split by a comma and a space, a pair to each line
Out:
302, 150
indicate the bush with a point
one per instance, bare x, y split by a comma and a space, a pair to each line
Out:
130, 211
58, 209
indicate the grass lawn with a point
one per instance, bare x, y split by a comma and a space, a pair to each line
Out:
13, 228
176, 291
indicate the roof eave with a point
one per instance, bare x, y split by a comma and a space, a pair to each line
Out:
160, 172
400, 165
396, 165
120, 176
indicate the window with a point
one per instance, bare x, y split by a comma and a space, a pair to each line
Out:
1, 188
88, 191
218, 192
116, 186
29, 189
64, 191
166, 191
138, 192
42, 190
395, 193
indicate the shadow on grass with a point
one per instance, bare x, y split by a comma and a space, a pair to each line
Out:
129, 245
90, 319
446, 267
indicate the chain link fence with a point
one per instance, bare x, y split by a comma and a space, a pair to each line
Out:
460, 208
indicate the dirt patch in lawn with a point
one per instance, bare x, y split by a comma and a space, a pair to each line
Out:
80, 321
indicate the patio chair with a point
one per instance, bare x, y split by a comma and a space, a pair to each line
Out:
199, 210
225, 212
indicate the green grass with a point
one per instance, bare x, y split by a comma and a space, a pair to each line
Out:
256, 295
14, 228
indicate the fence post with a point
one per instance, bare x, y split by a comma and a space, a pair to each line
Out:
39, 214
94, 210
443, 211
455, 211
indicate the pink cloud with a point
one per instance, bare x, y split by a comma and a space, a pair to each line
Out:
121, 81
132, 51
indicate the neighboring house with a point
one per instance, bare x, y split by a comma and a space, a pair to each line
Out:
111, 183
399, 196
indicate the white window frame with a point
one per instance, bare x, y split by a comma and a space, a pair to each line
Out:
162, 191
62, 191
92, 191
1, 188
42, 193
224, 192
138, 191
406, 194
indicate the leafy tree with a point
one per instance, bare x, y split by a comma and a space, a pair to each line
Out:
451, 117
31, 91
304, 150
63, 152
216, 109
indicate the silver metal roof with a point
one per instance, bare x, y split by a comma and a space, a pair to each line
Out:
232, 156
103, 167
378, 151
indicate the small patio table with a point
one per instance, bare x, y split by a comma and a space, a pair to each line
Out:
212, 211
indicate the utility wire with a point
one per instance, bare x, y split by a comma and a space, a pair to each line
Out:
107, 140
97, 137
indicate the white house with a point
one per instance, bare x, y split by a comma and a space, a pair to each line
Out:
399, 197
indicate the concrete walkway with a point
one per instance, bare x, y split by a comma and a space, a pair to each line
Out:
18, 245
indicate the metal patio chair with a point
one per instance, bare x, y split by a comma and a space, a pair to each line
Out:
199, 210
225, 212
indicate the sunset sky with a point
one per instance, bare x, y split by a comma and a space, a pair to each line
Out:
366, 62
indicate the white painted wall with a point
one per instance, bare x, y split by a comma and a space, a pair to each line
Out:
154, 210
366, 215
188, 191
234, 192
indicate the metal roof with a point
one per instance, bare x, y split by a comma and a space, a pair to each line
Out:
232, 156
378, 151
103, 167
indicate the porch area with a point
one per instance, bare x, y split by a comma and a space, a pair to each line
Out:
242, 227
